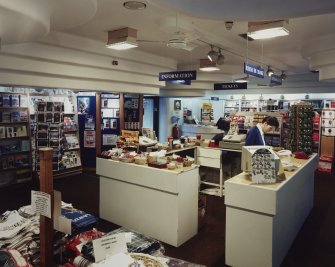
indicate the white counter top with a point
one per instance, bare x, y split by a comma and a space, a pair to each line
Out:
262, 220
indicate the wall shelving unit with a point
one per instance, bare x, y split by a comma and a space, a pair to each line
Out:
15, 149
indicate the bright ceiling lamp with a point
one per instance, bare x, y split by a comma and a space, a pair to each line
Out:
122, 39
265, 30
269, 72
212, 55
207, 65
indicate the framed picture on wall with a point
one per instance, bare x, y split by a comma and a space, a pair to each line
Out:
177, 105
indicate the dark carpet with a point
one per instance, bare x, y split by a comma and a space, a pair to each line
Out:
313, 247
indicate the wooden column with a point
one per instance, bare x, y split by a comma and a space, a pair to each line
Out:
46, 224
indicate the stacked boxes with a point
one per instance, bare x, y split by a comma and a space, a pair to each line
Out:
327, 140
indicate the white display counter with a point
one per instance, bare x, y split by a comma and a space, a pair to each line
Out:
207, 132
162, 204
262, 221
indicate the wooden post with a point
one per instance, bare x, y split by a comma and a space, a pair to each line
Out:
46, 224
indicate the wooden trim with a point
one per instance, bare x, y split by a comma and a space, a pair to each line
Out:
121, 112
98, 124
46, 224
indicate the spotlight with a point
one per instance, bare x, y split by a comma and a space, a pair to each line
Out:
212, 55
269, 72
283, 75
220, 60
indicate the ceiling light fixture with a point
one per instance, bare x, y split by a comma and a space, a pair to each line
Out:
134, 5
220, 60
265, 30
283, 75
122, 39
269, 72
212, 55
207, 65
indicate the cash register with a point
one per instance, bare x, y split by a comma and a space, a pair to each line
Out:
234, 139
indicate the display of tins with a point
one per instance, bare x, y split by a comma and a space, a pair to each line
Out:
328, 113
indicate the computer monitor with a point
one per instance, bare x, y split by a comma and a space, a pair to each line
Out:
246, 160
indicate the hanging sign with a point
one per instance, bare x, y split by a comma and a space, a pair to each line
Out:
215, 98
275, 80
252, 70
183, 82
178, 75
230, 86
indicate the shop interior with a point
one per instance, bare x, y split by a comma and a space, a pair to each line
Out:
138, 157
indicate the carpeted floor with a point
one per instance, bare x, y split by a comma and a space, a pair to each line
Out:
313, 247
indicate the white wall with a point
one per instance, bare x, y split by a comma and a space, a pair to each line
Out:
65, 61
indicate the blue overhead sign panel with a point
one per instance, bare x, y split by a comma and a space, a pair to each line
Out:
184, 82
215, 98
230, 86
252, 70
275, 80
178, 75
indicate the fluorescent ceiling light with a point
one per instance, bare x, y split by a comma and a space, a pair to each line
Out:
207, 65
122, 39
267, 30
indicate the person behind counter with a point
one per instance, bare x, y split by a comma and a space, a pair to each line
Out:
255, 135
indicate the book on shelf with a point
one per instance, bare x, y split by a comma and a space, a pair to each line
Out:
15, 116
10, 132
2, 132
24, 115
15, 100
21, 130
25, 145
5, 116
23, 101
6, 101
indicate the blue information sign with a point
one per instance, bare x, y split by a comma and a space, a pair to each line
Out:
178, 75
215, 98
252, 70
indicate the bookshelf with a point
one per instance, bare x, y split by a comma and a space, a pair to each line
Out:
15, 150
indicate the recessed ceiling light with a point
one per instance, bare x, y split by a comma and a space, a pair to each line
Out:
134, 5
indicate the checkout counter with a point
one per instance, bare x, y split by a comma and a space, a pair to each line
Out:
206, 132
262, 220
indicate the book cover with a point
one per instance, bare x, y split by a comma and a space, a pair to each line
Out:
6, 101
6, 116
15, 116
15, 101
24, 115
2, 132
23, 101
20, 130
25, 145
10, 132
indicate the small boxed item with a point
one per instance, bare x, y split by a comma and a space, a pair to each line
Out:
325, 164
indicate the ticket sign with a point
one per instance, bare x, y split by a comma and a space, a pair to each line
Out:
252, 70
230, 86
178, 75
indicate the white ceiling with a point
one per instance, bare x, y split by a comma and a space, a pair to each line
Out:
309, 20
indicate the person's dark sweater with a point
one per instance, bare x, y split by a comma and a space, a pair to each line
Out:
254, 137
